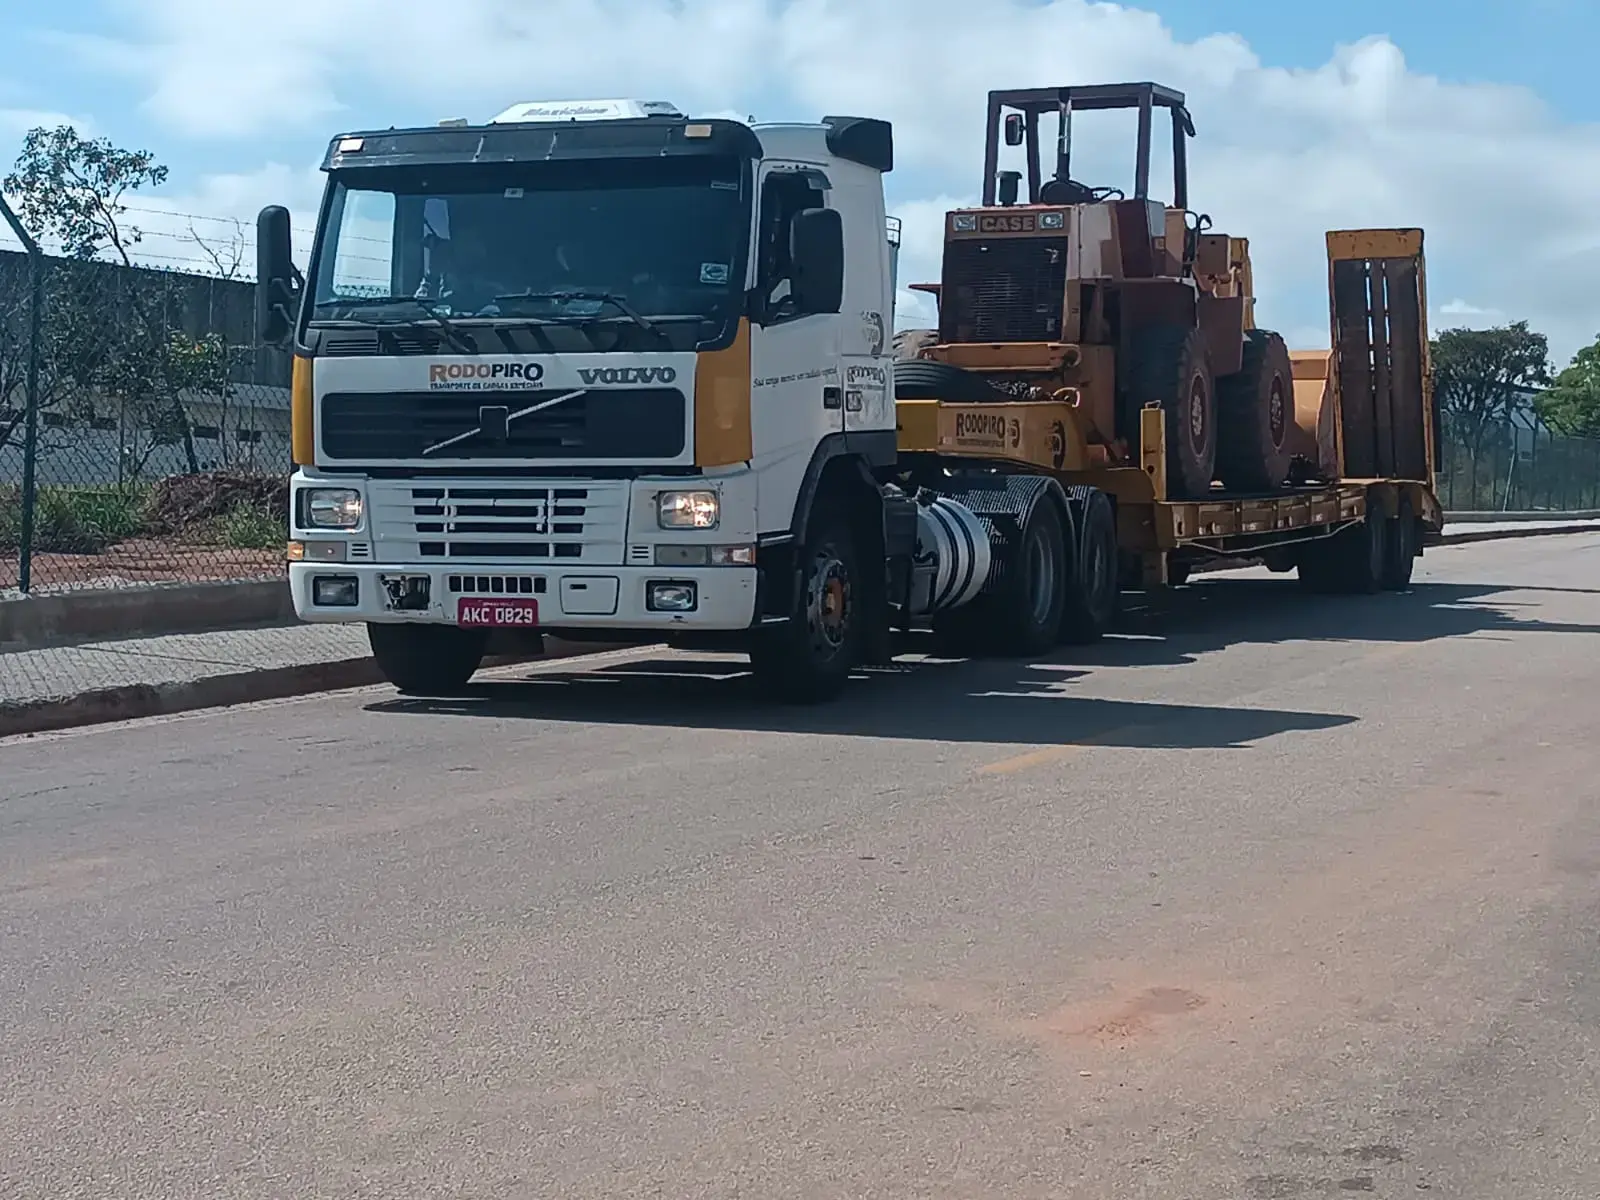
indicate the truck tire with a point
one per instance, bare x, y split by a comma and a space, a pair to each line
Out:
909, 344
1026, 609
924, 379
808, 659
1022, 615
1255, 411
1169, 365
1351, 562
1094, 596
1404, 536
427, 660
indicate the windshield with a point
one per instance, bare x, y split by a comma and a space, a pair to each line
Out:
652, 244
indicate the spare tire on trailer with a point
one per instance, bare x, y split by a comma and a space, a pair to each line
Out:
910, 343
1255, 410
924, 379
1169, 365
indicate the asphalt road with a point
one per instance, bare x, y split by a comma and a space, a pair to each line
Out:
1274, 897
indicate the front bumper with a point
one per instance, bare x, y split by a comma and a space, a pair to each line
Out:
590, 597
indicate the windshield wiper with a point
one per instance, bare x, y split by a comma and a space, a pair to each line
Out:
450, 331
616, 300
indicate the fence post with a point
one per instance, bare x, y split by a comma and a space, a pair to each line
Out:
30, 419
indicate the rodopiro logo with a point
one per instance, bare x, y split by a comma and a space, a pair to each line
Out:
468, 376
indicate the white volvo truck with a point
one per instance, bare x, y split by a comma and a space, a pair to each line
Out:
597, 369
601, 370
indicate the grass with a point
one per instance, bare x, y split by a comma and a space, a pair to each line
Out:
80, 520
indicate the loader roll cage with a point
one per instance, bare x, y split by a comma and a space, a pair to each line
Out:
1020, 127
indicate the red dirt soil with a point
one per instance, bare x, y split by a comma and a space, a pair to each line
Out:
143, 562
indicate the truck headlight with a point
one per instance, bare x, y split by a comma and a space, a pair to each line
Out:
332, 508
687, 510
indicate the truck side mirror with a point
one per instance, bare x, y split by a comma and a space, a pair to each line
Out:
816, 250
1009, 183
1016, 131
276, 292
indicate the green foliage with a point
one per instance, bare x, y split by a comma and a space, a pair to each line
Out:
247, 527
1572, 405
1481, 375
73, 520
71, 188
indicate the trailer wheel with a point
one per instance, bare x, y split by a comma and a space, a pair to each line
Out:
427, 660
1404, 535
1255, 409
1352, 561
1170, 366
1093, 593
924, 379
909, 344
808, 659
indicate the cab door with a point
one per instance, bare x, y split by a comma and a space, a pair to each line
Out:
797, 393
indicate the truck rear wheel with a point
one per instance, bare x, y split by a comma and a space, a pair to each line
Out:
1169, 365
1022, 616
427, 660
808, 659
1255, 409
1093, 592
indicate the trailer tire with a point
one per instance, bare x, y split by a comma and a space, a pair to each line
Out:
924, 379
1169, 365
909, 344
427, 660
1255, 412
1351, 562
1093, 593
1404, 536
808, 659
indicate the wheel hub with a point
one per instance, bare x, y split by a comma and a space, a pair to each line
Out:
1197, 410
1277, 412
830, 602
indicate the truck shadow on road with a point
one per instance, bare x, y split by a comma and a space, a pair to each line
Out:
1018, 702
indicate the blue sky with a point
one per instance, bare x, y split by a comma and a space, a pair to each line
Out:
1295, 135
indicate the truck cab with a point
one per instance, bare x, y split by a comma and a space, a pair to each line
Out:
592, 368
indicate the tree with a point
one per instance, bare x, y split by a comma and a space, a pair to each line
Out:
1572, 405
70, 189
1482, 376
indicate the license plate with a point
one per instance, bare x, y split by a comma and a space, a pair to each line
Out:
497, 614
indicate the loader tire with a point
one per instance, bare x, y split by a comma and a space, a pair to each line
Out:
1169, 365
1255, 410
924, 379
910, 343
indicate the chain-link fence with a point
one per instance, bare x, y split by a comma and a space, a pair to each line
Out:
160, 447
161, 444
1515, 463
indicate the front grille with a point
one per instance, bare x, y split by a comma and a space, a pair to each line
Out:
545, 522
1003, 290
622, 423
369, 343
496, 585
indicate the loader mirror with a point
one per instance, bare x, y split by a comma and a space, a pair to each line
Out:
1015, 131
275, 276
816, 249
1009, 183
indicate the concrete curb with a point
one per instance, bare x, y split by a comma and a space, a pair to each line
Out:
1455, 538
155, 611
1496, 518
131, 701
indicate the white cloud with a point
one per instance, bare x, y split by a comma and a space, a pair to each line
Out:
1499, 183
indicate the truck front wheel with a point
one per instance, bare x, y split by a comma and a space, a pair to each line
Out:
808, 658
427, 660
